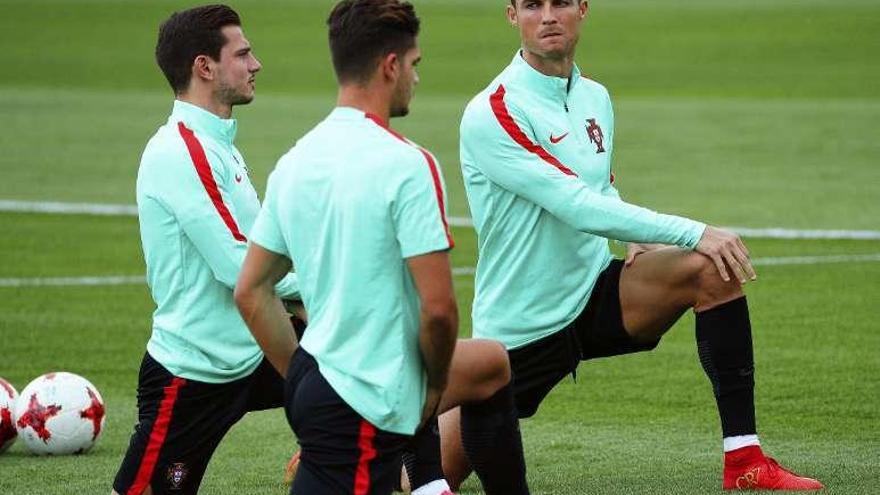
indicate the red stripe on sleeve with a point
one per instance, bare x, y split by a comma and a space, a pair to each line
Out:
157, 438
368, 453
438, 191
513, 130
435, 174
200, 161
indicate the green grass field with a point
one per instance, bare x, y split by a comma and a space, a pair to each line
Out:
754, 113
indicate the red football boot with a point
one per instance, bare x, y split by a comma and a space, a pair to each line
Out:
749, 469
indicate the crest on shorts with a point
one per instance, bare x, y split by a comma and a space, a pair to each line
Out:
176, 475
594, 132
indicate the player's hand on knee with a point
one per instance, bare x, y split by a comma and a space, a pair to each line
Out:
634, 249
727, 250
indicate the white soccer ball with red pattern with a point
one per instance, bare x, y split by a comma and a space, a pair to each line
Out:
59, 413
7, 415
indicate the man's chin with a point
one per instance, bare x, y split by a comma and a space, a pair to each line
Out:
399, 112
554, 50
242, 99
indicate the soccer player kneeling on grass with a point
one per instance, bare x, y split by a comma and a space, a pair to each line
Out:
536, 151
359, 210
203, 370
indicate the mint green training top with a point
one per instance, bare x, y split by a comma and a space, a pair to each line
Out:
536, 159
195, 205
348, 205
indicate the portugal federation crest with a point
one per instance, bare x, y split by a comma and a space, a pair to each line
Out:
594, 132
176, 475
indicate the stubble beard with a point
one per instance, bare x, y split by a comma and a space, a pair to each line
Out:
400, 107
231, 96
400, 111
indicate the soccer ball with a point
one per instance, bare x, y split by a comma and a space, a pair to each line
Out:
7, 411
59, 413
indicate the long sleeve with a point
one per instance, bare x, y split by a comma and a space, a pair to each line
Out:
494, 142
200, 202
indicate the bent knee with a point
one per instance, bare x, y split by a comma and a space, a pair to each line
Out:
711, 288
495, 367
500, 361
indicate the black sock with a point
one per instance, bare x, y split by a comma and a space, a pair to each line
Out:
491, 439
422, 456
724, 343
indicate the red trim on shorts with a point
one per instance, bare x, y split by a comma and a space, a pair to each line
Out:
200, 161
157, 438
435, 173
500, 110
368, 453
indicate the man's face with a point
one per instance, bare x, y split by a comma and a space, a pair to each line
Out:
236, 69
406, 83
548, 28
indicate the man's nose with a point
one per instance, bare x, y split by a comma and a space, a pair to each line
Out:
547, 14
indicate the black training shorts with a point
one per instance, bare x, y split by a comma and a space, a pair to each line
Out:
597, 332
181, 422
341, 453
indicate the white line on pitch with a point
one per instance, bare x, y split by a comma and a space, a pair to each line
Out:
781, 233
766, 261
461, 271
67, 208
72, 281
816, 260
131, 210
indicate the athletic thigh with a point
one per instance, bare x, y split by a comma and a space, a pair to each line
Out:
657, 288
180, 424
599, 328
340, 452
479, 368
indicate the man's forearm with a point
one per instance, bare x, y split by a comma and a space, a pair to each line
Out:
267, 320
437, 338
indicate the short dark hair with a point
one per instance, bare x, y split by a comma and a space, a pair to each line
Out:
362, 31
190, 33
513, 3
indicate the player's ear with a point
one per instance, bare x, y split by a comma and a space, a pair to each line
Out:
203, 67
584, 8
390, 66
511, 15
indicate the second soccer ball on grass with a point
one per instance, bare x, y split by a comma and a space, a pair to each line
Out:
59, 413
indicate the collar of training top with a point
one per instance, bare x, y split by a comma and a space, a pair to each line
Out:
551, 86
202, 121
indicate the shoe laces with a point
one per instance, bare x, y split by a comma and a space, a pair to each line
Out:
774, 468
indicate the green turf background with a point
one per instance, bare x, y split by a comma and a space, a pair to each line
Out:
757, 113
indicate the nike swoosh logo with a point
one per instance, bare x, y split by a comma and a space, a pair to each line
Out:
237, 178
555, 140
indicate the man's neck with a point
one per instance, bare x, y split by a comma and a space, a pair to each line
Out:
558, 67
367, 99
207, 102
